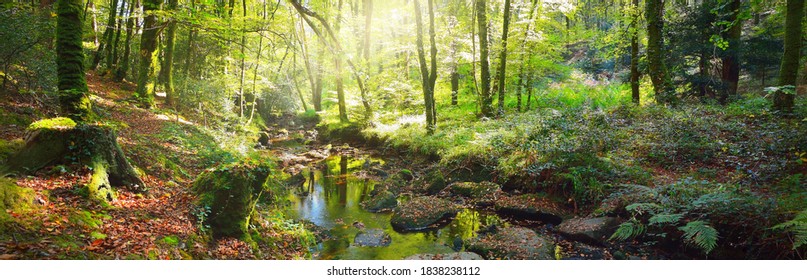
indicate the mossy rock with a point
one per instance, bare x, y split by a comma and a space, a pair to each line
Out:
383, 201
230, 192
474, 190
513, 243
406, 174
421, 213
9, 147
594, 231
531, 207
436, 182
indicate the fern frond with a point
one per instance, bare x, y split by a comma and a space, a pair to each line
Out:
700, 234
797, 226
641, 208
628, 230
662, 219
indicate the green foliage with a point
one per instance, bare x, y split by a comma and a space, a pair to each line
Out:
54, 123
27, 61
797, 227
629, 230
700, 234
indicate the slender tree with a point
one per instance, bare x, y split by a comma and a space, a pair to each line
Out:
788, 73
168, 55
120, 72
634, 51
108, 34
70, 60
503, 57
428, 76
731, 64
486, 100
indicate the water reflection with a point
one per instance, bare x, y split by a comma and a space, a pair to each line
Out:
333, 201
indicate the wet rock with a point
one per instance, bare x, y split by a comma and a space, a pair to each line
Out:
513, 243
372, 238
379, 172
459, 256
594, 231
474, 190
383, 201
532, 207
264, 139
422, 212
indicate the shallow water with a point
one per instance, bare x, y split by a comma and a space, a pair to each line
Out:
331, 198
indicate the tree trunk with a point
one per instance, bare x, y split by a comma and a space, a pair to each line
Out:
72, 83
107, 37
148, 55
634, 52
503, 57
655, 56
340, 90
788, 73
426, 74
120, 73
112, 59
482, 21
731, 64
168, 59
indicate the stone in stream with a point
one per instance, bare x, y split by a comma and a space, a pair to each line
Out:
474, 190
595, 231
372, 238
421, 213
531, 206
382, 201
513, 243
458, 256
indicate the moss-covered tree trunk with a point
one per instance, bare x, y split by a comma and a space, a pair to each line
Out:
340, 88
486, 99
655, 55
62, 141
72, 83
788, 73
503, 57
148, 54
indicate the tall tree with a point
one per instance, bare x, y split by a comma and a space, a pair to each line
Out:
168, 56
108, 34
428, 76
340, 87
148, 54
503, 56
70, 60
634, 51
655, 55
788, 73
486, 100
731, 64
120, 72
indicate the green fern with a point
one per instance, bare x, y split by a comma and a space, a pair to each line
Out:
628, 230
641, 208
664, 219
700, 234
797, 226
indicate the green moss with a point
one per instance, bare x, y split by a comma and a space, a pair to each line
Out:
87, 219
8, 147
97, 235
230, 192
99, 187
471, 189
54, 123
13, 199
171, 240
436, 182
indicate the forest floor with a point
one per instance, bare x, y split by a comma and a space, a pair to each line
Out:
161, 224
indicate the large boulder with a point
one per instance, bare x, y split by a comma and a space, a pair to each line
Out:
421, 213
532, 207
594, 230
229, 194
382, 201
513, 243
372, 238
458, 256
435, 182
